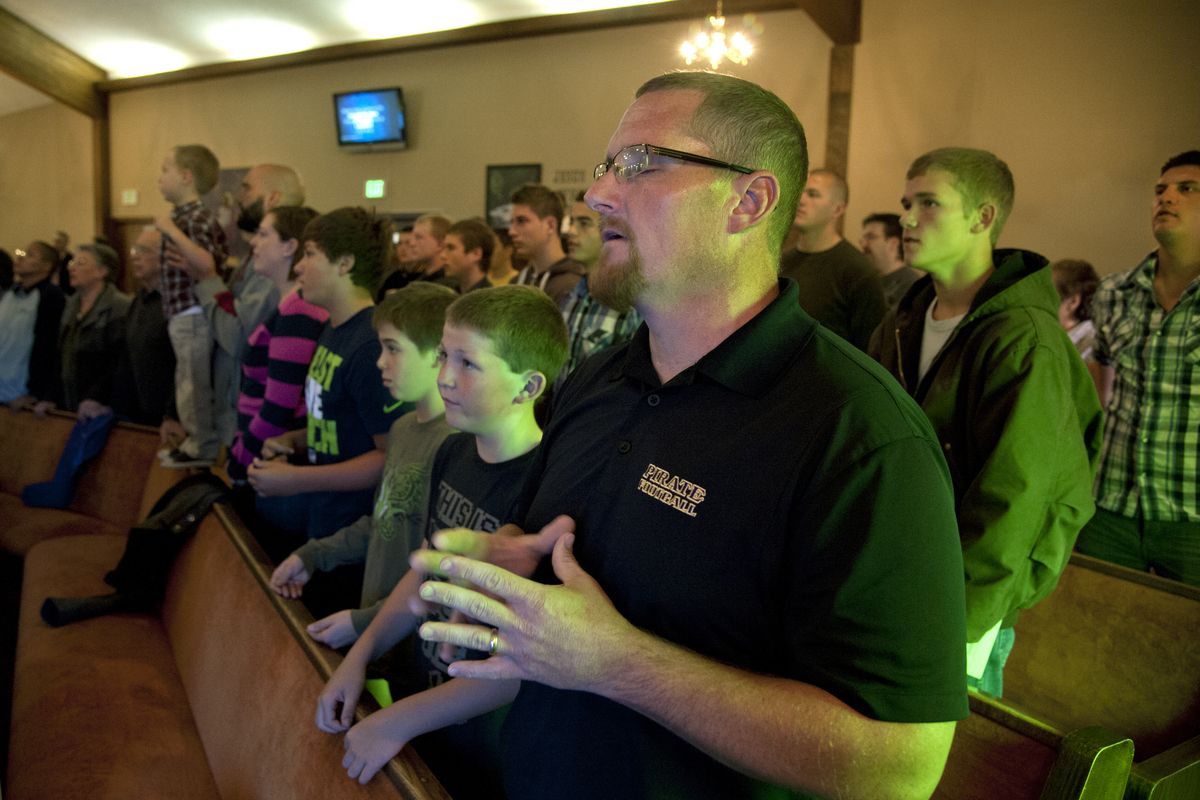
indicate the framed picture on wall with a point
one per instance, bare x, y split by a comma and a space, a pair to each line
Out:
502, 181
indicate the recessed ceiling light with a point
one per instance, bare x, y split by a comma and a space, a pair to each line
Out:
257, 38
129, 59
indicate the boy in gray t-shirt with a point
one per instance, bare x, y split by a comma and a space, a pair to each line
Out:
409, 323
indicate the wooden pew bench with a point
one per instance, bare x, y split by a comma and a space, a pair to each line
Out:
215, 698
114, 490
1000, 753
1119, 648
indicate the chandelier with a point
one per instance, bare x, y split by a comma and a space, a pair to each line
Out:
712, 43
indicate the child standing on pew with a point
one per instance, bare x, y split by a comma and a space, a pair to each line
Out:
501, 348
409, 324
192, 240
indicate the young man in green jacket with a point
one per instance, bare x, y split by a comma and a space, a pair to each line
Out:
977, 344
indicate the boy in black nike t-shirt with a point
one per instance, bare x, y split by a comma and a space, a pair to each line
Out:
501, 348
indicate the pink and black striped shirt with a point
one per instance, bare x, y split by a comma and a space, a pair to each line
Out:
271, 400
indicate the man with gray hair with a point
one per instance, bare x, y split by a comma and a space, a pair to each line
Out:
757, 580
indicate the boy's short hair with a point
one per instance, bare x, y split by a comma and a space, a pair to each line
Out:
200, 161
523, 324
979, 176
105, 256
1189, 158
352, 231
438, 225
290, 223
418, 311
890, 222
475, 234
541, 200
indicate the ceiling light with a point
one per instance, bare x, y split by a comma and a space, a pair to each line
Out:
241, 39
129, 59
712, 42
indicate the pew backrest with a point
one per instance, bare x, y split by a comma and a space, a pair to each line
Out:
1113, 647
1000, 753
253, 687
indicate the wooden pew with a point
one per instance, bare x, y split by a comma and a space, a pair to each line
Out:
1119, 648
1171, 775
214, 698
1000, 753
113, 492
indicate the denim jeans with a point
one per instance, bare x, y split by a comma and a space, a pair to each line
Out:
1171, 549
992, 680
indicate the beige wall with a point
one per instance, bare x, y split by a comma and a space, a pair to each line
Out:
552, 100
1084, 101
45, 176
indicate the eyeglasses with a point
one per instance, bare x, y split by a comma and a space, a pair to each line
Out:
635, 158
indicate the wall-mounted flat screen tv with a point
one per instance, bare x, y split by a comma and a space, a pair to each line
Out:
371, 119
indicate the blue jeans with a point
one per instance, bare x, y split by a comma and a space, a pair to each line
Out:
1171, 549
992, 680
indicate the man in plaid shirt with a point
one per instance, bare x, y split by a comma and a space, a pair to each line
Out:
1148, 350
192, 242
591, 325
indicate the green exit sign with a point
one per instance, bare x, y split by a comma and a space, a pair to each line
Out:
373, 189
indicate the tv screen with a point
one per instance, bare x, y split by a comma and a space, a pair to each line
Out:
370, 119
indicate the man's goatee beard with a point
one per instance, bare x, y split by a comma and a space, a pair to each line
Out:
616, 286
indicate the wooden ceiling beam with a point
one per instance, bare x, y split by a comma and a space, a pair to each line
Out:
841, 20
33, 58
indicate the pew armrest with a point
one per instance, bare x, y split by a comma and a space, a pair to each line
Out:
1092, 764
1173, 774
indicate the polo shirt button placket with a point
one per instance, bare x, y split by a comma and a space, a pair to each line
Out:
623, 447
653, 400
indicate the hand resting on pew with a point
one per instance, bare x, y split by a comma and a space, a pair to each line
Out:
289, 578
335, 630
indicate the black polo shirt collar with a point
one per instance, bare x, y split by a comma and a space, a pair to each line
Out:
749, 361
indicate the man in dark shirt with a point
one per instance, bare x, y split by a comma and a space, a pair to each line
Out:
883, 243
536, 231
838, 285
764, 584
144, 389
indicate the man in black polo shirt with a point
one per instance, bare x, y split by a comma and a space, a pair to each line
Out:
764, 584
